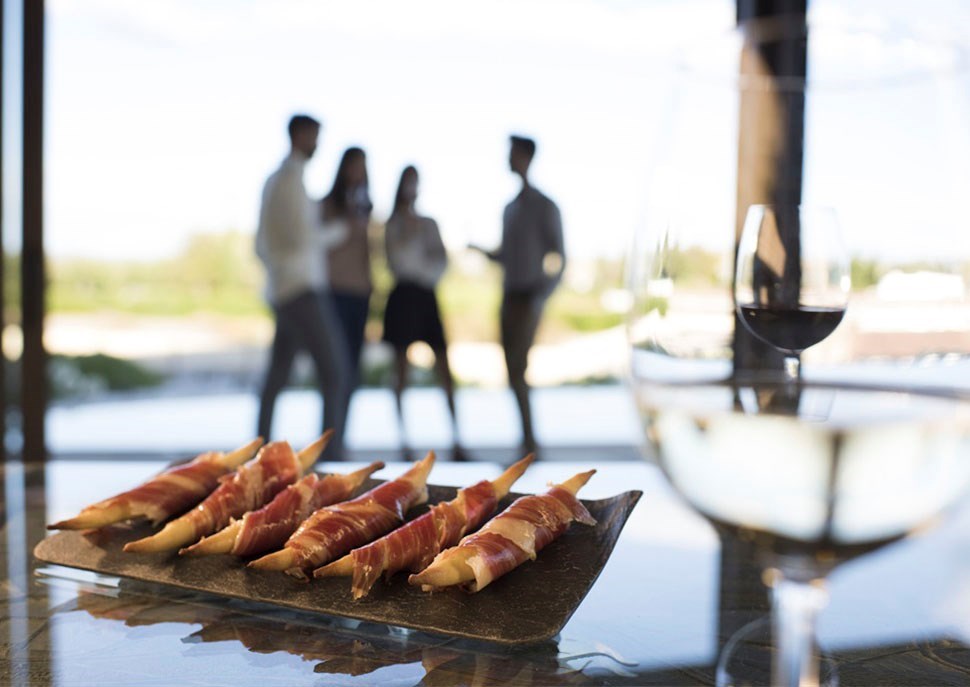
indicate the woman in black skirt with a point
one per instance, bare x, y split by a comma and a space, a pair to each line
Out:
417, 259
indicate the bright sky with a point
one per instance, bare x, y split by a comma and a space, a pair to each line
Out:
887, 140
165, 117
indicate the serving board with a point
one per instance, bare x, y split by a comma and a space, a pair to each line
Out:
530, 604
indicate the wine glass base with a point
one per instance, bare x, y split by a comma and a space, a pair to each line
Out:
746, 659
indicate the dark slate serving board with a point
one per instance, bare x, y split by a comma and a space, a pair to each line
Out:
530, 604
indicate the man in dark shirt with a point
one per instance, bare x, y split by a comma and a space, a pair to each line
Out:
532, 258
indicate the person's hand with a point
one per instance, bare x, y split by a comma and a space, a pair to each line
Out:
490, 254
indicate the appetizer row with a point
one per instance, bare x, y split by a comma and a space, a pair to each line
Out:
259, 502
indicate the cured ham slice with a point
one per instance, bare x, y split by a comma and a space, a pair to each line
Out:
170, 493
274, 468
333, 531
268, 528
414, 545
514, 536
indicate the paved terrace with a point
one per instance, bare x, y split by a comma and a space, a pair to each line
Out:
572, 423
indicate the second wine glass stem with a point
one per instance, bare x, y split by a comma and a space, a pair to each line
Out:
792, 368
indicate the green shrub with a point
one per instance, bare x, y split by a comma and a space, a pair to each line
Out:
81, 375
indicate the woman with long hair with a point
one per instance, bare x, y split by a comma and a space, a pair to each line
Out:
417, 259
348, 203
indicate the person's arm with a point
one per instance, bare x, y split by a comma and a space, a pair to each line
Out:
262, 227
438, 256
329, 231
495, 255
330, 235
392, 246
282, 217
554, 256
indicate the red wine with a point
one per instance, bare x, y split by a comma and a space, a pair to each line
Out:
791, 329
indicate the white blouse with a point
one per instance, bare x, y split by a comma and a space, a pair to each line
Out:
415, 252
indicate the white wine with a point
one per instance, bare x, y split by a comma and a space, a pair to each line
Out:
811, 467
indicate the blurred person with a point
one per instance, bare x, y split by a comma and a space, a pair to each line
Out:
288, 242
348, 206
533, 259
417, 259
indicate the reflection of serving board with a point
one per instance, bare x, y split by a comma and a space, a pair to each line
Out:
530, 604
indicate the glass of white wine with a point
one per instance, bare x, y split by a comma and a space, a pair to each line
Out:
814, 423
813, 473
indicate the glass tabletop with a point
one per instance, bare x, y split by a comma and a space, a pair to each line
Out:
671, 594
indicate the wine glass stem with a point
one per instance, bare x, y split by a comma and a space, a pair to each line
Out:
795, 606
792, 367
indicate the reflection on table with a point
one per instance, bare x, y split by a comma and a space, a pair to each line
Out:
667, 600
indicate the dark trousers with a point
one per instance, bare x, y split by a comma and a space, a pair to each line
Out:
352, 309
308, 322
519, 319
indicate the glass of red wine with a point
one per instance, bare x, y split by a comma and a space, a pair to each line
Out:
792, 282
802, 476
807, 434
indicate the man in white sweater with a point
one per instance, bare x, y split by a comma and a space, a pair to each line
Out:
289, 241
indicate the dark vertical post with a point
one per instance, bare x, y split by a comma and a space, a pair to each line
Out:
3, 293
771, 140
770, 160
34, 377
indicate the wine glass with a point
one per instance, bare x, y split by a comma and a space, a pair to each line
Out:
792, 281
808, 489
740, 282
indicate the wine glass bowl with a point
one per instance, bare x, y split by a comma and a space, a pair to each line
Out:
807, 487
792, 281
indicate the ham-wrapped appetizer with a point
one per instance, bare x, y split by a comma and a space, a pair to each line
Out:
333, 531
414, 545
170, 493
514, 536
268, 528
254, 484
